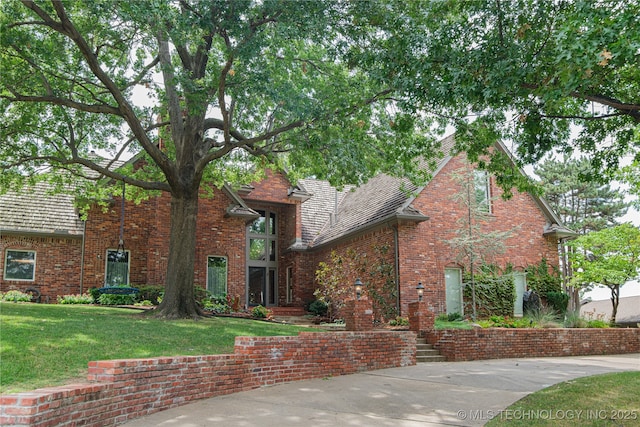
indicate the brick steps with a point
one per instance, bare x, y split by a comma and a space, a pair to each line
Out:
426, 353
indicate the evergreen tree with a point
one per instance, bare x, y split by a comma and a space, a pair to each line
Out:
584, 205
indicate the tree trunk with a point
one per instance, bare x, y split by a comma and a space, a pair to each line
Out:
615, 300
179, 297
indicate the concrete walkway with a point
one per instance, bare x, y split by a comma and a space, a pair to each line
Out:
428, 394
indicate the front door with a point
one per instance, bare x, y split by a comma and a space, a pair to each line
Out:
262, 262
453, 284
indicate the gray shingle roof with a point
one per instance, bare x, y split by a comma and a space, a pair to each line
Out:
36, 210
380, 198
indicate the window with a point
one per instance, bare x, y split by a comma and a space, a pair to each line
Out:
481, 188
262, 260
117, 271
20, 265
217, 276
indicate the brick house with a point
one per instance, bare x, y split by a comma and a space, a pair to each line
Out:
263, 242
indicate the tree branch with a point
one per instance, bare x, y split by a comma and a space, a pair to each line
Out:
632, 110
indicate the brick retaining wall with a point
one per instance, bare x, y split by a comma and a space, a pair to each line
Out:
121, 390
498, 343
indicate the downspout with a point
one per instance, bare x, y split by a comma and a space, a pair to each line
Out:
84, 234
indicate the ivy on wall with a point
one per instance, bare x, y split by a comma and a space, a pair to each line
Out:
495, 291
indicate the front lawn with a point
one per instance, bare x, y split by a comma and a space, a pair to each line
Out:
46, 345
600, 400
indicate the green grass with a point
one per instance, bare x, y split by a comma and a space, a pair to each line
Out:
455, 324
600, 400
46, 345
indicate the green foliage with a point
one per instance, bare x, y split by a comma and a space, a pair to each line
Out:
335, 279
75, 299
609, 257
453, 317
542, 278
15, 296
555, 64
318, 308
218, 305
495, 292
558, 301
95, 294
399, 321
111, 299
260, 312
583, 205
150, 293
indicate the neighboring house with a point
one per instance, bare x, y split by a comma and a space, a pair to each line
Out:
263, 242
628, 311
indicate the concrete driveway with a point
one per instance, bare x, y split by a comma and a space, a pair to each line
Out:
428, 394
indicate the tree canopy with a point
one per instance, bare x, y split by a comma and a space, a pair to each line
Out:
335, 89
525, 71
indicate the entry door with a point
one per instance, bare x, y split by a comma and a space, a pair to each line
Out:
520, 281
453, 284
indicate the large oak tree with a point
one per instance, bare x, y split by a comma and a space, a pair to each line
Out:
230, 88
335, 89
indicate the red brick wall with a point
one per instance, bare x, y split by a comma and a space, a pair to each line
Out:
364, 246
425, 253
57, 265
126, 389
498, 343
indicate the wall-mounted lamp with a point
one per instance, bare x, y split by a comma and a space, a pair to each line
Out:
358, 286
420, 290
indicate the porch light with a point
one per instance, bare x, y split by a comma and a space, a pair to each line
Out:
358, 286
420, 290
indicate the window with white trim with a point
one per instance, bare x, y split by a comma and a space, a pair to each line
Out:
217, 276
20, 265
482, 190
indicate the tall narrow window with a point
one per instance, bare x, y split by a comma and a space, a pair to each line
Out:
117, 271
482, 190
20, 265
262, 260
217, 276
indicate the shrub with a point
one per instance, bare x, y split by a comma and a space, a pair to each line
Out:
16, 296
544, 317
574, 320
95, 293
597, 323
201, 294
559, 301
453, 317
109, 299
150, 293
145, 303
318, 308
75, 299
261, 312
217, 305
399, 321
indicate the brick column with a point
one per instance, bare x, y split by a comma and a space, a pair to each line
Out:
358, 315
421, 317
